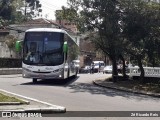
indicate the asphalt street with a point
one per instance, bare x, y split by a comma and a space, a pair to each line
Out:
80, 95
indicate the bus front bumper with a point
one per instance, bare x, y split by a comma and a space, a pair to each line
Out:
38, 75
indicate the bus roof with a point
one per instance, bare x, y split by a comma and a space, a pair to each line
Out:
49, 30
46, 30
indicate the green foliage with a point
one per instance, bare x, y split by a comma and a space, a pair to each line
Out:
71, 15
141, 28
3, 22
10, 41
120, 27
101, 17
12, 11
10, 63
6, 10
35, 8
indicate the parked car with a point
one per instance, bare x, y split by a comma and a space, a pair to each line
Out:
85, 69
98, 66
107, 69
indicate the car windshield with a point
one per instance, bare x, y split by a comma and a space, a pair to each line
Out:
97, 64
108, 67
43, 48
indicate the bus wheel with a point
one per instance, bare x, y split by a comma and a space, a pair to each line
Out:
34, 80
68, 73
76, 73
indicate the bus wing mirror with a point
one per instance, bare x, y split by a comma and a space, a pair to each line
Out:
65, 47
18, 46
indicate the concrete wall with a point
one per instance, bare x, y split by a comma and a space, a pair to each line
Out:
5, 52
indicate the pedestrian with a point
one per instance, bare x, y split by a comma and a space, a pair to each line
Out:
92, 68
99, 69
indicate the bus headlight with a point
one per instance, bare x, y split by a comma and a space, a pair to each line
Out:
58, 70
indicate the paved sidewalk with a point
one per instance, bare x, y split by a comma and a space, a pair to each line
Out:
111, 85
9, 71
32, 105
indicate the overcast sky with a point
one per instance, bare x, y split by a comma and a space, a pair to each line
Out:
49, 7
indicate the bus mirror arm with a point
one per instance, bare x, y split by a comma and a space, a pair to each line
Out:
18, 46
65, 47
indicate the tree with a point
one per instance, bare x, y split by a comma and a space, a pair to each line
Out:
32, 8
115, 24
12, 11
153, 39
101, 17
10, 41
72, 16
138, 24
6, 10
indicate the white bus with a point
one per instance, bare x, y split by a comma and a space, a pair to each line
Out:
48, 53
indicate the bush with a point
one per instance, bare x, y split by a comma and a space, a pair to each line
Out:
10, 63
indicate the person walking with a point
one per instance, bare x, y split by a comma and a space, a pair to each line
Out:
92, 68
99, 69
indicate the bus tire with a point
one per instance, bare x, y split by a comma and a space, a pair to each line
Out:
34, 80
68, 73
76, 73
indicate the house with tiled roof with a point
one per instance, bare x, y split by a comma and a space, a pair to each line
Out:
18, 30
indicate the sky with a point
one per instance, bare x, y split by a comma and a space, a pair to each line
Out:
49, 7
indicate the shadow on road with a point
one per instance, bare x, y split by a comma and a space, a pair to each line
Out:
53, 82
93, 89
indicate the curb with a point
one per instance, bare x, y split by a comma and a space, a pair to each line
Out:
37, 110
51, 108
10, 103
128, 90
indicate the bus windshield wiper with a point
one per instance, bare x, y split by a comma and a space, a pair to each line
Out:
52, 51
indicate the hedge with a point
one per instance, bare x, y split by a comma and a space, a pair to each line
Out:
10, 63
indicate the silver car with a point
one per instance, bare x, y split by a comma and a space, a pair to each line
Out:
107, 69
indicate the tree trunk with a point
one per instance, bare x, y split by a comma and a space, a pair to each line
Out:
114, 67
141, 69
124, 67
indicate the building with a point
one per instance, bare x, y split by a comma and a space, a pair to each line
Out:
19, 29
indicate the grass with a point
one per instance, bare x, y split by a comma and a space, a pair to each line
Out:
6, 98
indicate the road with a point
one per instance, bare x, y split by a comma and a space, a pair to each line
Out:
80, 94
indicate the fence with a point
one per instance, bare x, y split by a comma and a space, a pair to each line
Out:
149, 71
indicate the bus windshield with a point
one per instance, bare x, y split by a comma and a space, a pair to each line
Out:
43, 48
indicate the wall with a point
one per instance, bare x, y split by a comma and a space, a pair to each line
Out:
5, 52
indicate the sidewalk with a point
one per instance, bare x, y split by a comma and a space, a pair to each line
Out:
9, 71
32, 105
108, 84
